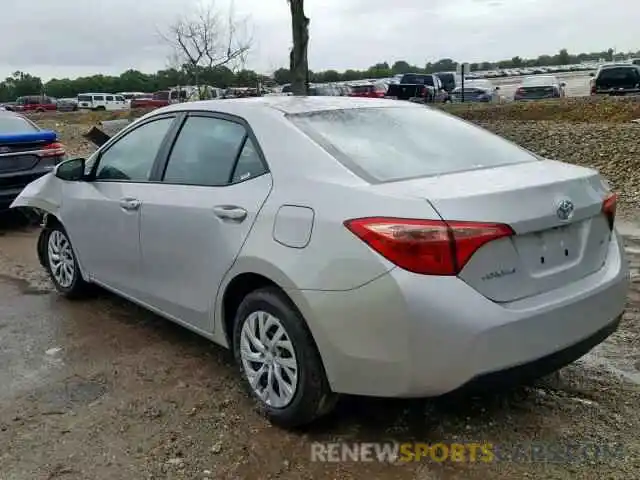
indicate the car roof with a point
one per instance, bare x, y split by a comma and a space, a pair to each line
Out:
617, 65
285, 105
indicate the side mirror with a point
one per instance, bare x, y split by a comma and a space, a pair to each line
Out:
563, 84
71, 170
592, 74
497, 88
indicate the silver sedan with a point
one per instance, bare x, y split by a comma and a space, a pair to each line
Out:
342, 245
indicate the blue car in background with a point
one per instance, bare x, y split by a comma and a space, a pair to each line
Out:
27, 152
475, 91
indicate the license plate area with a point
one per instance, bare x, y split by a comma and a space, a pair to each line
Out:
552, 249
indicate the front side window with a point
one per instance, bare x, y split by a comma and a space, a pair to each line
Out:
131, 158
205, 152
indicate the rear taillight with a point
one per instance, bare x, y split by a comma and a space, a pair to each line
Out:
54, 149
609, 208
520, 91
593, 88
429, 247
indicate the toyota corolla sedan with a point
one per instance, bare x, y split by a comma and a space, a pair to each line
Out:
336, 251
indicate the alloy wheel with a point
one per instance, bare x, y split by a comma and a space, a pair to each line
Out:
269, 359
61, 261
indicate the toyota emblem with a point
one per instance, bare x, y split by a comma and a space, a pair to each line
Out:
565, 209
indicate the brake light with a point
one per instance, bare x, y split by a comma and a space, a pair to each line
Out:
520, 91
429, 247
609, 208
54, 149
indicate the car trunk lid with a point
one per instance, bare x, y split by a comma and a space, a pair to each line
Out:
533, 198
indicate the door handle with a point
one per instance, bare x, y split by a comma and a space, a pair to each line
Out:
230, 212
130, 204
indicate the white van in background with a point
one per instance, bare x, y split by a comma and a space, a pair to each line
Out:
101, 101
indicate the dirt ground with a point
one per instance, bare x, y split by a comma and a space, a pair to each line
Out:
100, 389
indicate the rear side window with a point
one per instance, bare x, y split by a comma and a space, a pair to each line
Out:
109, 98
205, 152
84, 98
15, 124
380, 144
98, 98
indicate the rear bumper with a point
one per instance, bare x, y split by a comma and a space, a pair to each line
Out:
409, 335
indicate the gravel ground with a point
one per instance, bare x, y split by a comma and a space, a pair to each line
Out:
132, 396
104, 390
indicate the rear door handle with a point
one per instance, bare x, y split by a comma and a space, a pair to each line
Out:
230, 212
130, 204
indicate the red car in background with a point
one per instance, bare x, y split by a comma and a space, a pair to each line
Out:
34, 103
377, 90
157, 100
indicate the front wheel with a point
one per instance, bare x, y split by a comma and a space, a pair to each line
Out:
61, 263
279, 361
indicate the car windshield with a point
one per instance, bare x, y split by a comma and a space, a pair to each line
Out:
538, 81
15, 124
380, 143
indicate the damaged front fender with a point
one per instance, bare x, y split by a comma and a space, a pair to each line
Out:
44, 193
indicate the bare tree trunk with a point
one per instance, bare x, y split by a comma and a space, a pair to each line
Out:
298, 62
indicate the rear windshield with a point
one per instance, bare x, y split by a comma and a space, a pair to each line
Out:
614, 74
418, 79
447, 77
15, 124
380, 144
362, 88
85, 98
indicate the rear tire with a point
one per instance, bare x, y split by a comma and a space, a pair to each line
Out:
278, 360
61, 263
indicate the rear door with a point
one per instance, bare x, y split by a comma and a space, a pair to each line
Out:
195, 222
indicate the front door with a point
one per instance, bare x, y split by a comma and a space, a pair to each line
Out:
194, 225
102, 215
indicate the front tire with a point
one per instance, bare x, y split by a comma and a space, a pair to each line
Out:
61, 263
279, 361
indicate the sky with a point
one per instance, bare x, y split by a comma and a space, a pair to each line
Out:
70, 38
